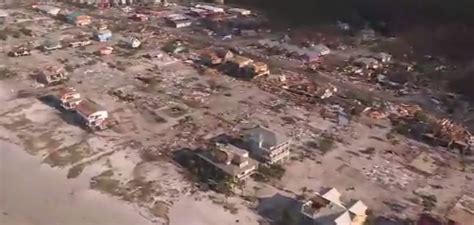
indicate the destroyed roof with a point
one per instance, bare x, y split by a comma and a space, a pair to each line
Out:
88, 107
48, 9
267, 137
260, 65
66, 90
240, 60
52, 70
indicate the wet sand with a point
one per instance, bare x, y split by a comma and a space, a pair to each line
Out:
32, 193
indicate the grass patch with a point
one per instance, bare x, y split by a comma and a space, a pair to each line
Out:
68, 155
107, 173
5, 73
420, 116
326, 144
275, 171
106, 185
75, 171
139, 190
231, 207
401, 128
160, 209
368, 151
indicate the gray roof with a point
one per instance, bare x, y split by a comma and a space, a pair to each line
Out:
267, 137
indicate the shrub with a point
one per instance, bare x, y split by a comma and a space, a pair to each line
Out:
326, 144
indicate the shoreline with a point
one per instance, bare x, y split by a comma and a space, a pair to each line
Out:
33, 193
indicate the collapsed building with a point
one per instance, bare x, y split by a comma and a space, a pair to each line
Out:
436, 131
19, 51
310, 54
78, 19
52, 74
301, 85
246, 68
178, 21
213, 57
445, 131
47, 9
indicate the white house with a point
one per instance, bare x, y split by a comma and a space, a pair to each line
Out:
133, 42
92, 114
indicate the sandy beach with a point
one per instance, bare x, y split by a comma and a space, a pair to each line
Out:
36, 194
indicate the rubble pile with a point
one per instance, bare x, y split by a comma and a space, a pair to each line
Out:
455, 132
390, 176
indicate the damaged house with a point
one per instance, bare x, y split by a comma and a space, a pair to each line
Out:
226, 161
367, 63
47, 9
327, 208
210, 58
133, 42
78, 19
52, 74
244, 67
103, 35
257, 69
236, 65
19, 51
266, 145
178, 21
69, 98
92, 114
215, 57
